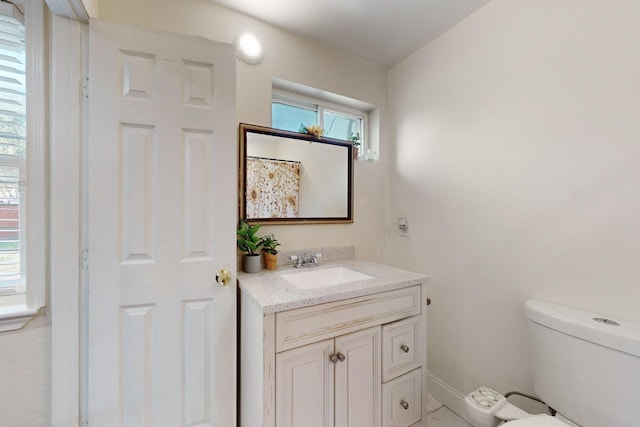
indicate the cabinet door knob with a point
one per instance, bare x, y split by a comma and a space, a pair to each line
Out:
341, 357
404, 404
333, 358
404, 348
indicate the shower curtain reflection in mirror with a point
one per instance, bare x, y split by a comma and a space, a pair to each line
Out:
273, 188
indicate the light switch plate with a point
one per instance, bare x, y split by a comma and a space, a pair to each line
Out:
403, 226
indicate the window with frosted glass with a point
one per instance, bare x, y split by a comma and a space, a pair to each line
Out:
291, 117
341, 126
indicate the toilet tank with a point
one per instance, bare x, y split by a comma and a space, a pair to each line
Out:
586, 365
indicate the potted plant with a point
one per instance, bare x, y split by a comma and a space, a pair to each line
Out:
355, 141
249, 242
269, 252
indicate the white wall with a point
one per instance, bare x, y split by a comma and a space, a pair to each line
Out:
516, 163
25, 375
294, 59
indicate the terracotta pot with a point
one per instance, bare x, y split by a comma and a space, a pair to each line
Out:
270, 261
251, 263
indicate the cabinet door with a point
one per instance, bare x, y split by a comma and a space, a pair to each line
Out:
304, 386
357, 377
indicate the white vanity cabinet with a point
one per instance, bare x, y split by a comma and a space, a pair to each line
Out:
335, 382
355, 361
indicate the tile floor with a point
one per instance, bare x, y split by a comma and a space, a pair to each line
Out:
441, 416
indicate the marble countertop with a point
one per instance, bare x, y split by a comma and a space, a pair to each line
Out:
274, 294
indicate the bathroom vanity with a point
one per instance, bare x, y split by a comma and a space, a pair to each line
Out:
341, 344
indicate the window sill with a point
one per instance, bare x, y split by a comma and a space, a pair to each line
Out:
14, 313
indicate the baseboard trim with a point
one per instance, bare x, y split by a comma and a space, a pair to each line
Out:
448, 396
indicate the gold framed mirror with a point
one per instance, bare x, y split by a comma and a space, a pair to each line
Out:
294, 178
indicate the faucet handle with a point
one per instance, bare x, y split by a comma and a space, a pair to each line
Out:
304, 260
298, 259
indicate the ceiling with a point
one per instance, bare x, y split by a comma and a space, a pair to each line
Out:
382, 31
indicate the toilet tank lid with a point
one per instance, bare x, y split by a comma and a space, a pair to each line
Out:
618, 334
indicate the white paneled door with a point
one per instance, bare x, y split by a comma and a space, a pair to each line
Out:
162, 216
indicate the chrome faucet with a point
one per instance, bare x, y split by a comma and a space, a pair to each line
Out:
304, 261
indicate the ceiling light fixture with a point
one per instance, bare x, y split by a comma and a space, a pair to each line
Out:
249, 48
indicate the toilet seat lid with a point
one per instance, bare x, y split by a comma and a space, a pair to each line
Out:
542, 420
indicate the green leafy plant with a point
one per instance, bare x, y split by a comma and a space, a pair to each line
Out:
269, 244
355, 139
248, 241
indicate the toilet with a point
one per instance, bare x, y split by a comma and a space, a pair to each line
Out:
586, 367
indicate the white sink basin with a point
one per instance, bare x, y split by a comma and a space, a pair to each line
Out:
312, 279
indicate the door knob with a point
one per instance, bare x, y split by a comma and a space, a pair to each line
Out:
223, 277
404, 348
404, 404
341, 357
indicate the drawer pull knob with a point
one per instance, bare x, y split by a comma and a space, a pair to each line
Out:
341, 357
333, 358
404, 348
404, 404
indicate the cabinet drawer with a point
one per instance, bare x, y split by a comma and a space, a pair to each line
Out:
402, 400
400, 347
310, 324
